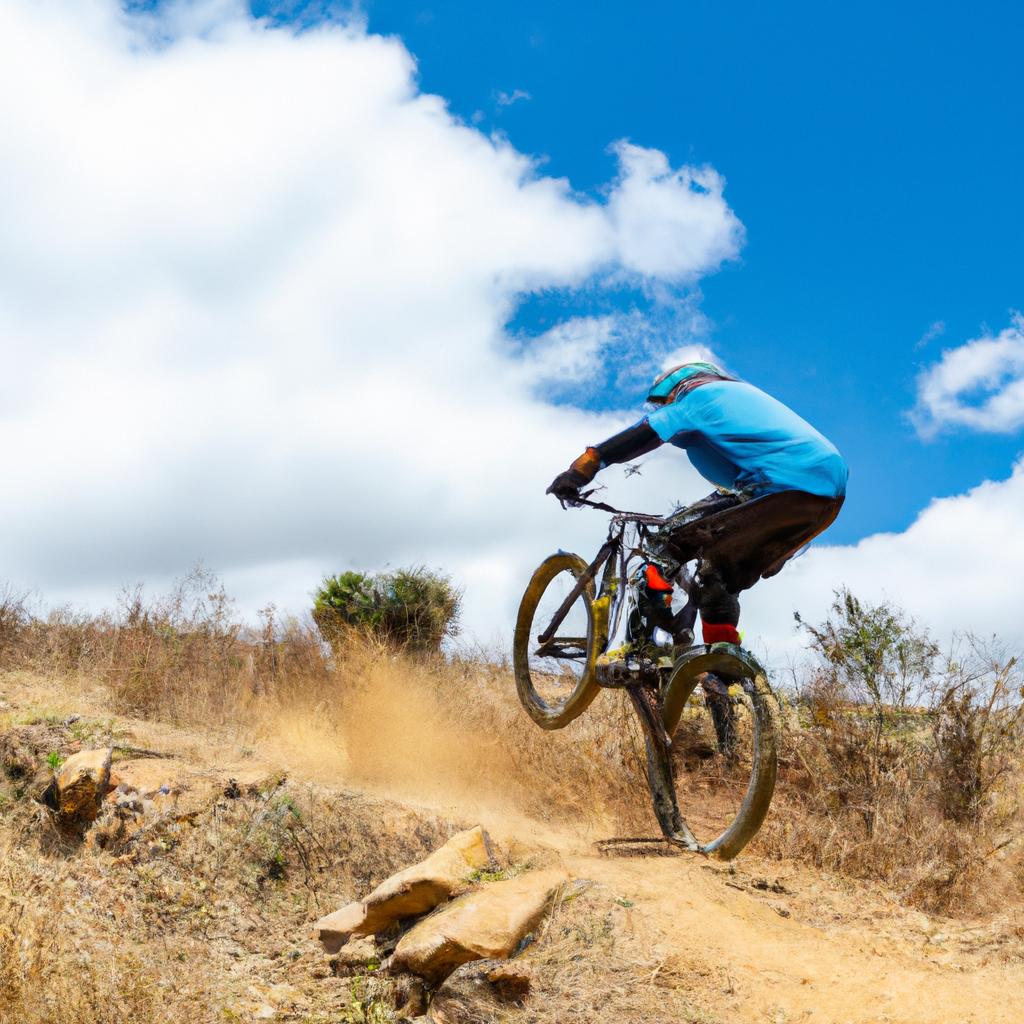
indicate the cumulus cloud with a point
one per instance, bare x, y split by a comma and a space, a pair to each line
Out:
978, 385
670, 223
253, 310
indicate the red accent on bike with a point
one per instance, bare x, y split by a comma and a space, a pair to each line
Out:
655, 581
719, 633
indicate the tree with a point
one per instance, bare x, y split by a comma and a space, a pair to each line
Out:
415, 609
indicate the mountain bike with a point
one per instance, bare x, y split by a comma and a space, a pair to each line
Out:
707, 711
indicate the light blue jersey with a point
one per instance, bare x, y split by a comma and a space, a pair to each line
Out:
741, 439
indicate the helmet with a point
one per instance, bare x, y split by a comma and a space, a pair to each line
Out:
662, 389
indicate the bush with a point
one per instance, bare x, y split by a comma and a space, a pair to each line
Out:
874, 654
14, 620
902, 764
413, 609
978, 722
871, 660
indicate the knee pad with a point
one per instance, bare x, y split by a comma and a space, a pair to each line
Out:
715, 603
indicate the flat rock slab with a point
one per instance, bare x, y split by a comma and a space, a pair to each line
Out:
409, 893
489, 923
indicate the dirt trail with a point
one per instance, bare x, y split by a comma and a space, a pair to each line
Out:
755, 941
754, 947
758, 965
763, 949
757, 947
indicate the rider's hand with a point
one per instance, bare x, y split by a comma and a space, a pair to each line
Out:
566, 486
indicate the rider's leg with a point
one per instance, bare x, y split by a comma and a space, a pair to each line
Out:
723, 714
719, 607
719, 615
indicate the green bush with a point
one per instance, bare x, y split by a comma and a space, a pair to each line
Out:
414, 609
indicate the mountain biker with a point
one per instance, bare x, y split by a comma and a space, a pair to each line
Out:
779, 483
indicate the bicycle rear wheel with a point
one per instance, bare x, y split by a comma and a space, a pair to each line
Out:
720, 713
555, 679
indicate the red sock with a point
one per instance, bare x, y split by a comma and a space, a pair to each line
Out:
719, 632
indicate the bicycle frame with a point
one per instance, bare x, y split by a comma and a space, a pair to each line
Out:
616, 552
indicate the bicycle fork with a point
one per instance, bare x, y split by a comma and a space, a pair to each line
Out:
646, 698
647, 701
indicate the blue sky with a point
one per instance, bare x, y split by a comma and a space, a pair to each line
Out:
874, 152
319, 291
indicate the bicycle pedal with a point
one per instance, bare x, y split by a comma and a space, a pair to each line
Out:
615, 673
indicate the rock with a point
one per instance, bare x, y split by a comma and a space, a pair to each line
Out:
489, 923
479, 990
286, 995
511, 980
81, 783
410, 998
271, 1000
334, 930
355, 955
410, 892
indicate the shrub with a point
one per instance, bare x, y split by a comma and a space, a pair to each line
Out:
871, 660
874, 653
414, 609
901, 765
977, 725
14, 620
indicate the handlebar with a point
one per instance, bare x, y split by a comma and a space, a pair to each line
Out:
583, 499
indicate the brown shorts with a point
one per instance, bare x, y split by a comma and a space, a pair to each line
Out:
748, 540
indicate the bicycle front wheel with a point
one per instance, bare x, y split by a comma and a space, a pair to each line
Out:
555, 678
720, 713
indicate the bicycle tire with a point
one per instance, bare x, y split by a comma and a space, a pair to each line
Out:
548, 715
734, 663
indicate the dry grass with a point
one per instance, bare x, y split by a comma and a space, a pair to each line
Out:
922, 804
205, 919
183, 656
871, 797
431, 727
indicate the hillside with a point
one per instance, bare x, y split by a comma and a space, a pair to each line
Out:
195, 899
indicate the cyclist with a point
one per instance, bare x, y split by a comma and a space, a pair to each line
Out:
779, 483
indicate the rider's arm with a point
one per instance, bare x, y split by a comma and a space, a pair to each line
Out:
627, 444
636, 440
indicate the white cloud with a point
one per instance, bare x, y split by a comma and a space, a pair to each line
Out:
570, 355
957, 567
252, 311
978, 385
672, 224
506, 99
936, 329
